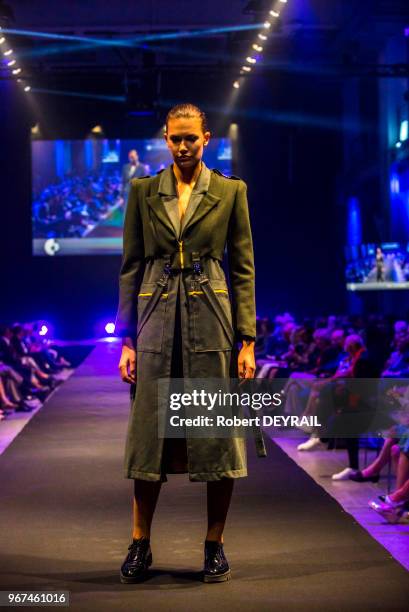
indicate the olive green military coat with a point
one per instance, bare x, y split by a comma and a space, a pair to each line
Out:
216, 218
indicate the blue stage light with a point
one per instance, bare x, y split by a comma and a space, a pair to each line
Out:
404, 130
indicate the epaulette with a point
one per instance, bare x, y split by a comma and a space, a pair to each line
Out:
235, 178
159, 171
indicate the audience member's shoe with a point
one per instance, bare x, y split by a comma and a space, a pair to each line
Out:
312, 444
24, 408
30, 400
391, 511
357, 476
216, 567
8, 411
343, 475
137, 561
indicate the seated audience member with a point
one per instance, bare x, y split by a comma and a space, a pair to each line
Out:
352, 416
279, 341
395, 447
397, 365
263, 330
300, 354
6, 406
47, 356
21, 351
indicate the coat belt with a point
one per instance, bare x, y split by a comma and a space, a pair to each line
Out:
181, 260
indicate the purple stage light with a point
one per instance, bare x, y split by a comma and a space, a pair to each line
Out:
110, 328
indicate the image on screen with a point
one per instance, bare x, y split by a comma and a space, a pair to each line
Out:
377, 266
80, 188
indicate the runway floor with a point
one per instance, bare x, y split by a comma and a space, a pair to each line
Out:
66, 521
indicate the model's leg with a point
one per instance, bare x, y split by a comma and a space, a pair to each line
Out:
216, 567
219, 495
145, 499
139, 557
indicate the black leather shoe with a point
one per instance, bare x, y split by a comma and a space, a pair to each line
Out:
357, 476
137, 561
216, 567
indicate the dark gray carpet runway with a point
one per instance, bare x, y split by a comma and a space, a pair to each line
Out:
66, 521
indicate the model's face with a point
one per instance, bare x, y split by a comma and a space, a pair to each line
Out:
186, 140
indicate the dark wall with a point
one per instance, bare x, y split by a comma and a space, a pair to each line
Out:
288, 158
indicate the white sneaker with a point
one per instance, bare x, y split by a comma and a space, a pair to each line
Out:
344, 475
313, 443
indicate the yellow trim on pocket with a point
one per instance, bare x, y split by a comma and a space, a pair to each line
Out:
164, 295
201, 292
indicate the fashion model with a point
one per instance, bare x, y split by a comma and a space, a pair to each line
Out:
176, 320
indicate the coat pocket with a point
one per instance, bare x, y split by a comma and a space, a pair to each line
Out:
211, 330
150, 337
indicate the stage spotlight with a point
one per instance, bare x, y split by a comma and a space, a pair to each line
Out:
2, 40
274, 14
110, 328
398, 144
43, 331
97, 129
246, 68
236, 84
8, 52
251, 60
267, 24
11, 63
404, 130
262, 36
283, 1
16, 71
257, 47
27, 88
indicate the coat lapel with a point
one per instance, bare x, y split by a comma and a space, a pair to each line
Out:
165, 204
157, 205
207, 202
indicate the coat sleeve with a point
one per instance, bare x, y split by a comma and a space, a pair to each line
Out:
132, 268
241, 265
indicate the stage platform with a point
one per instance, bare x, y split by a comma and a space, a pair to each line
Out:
66, 521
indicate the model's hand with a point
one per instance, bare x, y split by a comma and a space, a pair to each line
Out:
127, 363
247, 362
